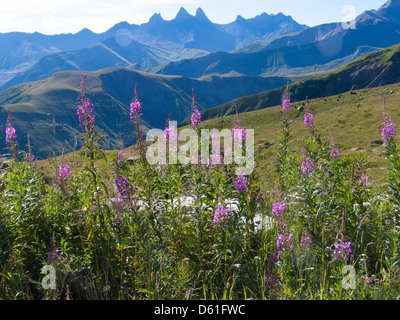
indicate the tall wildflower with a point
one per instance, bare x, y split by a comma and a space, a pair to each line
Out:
388, 127
135, 115
278, 214
307, 166
308, 118
335, 155
284, 242
241, 184
64, 174
239, 130
87, 121
135, 108
342, 250
11, 136
286, 102
388, 132
124, 188
120, 156
216, 157
269, 281
196, 116
220, 215
54, 253
363, 179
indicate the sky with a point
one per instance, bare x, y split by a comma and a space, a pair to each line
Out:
71, 16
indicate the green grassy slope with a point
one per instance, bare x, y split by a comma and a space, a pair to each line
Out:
372, 70
351, 120
34, 104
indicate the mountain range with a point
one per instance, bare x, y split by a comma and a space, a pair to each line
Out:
193, 46
148, 45
316, 49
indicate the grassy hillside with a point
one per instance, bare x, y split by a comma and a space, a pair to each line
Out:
33, 105
351, 120
372, 70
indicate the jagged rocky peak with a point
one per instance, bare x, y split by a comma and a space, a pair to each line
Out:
183, 14
239, 18
156, 18
201, 15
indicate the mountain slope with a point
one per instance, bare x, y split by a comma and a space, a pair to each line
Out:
317, 49
372, 70
34, 104
19, 50
105, 54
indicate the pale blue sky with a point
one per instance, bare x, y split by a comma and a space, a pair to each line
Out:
64, 16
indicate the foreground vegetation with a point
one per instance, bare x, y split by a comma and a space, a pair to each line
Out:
117, 229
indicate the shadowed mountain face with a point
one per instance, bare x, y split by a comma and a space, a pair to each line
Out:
316, 49
33, 105
148, 45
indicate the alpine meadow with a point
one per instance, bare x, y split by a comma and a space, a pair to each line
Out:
189, 160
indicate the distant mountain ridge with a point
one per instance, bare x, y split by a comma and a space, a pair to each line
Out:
316, 49
185, 36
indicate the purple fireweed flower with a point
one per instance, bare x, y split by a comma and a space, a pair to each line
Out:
121, 154
136, 110
238, 130
29, 157
118, 203
286, 106
309, 121
269, 281
220, 215
216, 159
170, 134
282, 241
363, 180
85, 114
54, 254
64, 173
239, 134
342, 250
278, 209
388, 132
196, 116
241, 184
123, 186
162, 169
306, 166
335, 154
11, 136
305, 242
